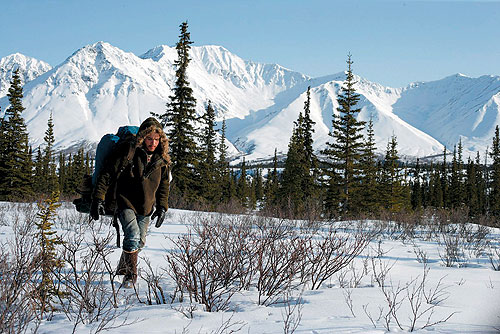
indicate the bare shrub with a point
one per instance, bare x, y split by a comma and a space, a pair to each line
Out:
329, 252
494, 256
292, 313
86, 296
415, 294
278, 254
380, 270
19, 271
208, 262
460, 243
153, 277
451, 251
420, 254
229, 326
348, 300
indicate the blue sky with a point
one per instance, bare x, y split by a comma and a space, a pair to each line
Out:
392, 42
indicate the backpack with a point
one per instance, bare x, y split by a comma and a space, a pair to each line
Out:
104, 149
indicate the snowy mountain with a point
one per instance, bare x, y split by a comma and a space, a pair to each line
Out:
101, 87
29, 69
454, 108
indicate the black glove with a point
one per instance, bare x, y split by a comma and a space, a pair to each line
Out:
96, 209
160, 212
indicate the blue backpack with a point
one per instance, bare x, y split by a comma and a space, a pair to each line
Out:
107, 144
104, 149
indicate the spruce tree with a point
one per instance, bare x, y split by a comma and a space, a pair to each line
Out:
494, 197
208, 185
295, 172
242, 188
259, 187
310, 159
393, 190
48, 240
223, 172
444, 181
345, 151
436, 188
252, 190
76, 171
417, 201
49, 164
471, 188
481, 185
62, 173
368, 197
39, 180
16, 167
3, 147
272, 184
179, 119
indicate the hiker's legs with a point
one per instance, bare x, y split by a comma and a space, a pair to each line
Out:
135, 228
143, 223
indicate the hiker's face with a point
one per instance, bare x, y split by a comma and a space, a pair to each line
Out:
151, 141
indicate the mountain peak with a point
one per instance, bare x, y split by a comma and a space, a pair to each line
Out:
159, 53
29, 69
101, 87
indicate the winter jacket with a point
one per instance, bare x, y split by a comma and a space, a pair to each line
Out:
140, 185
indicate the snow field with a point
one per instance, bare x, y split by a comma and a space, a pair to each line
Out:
469, 289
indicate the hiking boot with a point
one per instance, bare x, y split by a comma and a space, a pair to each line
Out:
130, 278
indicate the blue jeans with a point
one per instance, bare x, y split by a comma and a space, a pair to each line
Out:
135, 228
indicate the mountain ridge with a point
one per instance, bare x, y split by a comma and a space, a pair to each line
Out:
100, 87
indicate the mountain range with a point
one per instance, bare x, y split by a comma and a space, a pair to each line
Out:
101, 87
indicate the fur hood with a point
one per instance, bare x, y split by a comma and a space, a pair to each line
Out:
151, 125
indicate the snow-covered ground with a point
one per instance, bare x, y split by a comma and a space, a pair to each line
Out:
351, 301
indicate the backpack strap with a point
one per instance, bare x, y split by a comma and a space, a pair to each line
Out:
117, 228
128, 158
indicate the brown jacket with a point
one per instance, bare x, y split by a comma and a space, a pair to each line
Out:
140, 185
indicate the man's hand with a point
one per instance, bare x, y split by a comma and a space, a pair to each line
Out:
160, 212
96, 209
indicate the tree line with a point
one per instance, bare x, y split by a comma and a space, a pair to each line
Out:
345, 179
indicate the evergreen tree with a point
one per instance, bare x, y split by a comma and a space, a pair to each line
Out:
368, 197
179, 119
209, 186
393, 190
456, 190
252, 197
417, 201
39, 181
494, 197
344, 153
259, 187
49, 164
481, 185
242, 189
223, 172
295, 172
310, 159
272, 184
471, 188
436, 188
76, 171
16, 166
48, 240
62, 173
3, 147
444, 181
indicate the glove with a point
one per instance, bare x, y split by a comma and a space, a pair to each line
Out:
160, 212
96, 209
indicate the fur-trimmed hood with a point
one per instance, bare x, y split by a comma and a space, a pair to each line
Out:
151, 125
